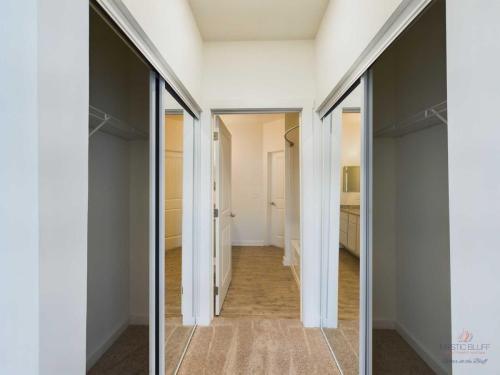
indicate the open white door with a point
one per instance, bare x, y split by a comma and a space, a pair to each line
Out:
276, 181
222, 213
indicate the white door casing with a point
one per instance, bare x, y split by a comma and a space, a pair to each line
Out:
223, 219
276, 198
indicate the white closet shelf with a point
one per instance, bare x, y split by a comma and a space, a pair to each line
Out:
432, 116
102, 121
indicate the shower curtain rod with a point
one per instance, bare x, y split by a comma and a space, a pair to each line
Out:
288, 131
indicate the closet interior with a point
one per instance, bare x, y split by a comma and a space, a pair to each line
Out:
118, 205
411, 250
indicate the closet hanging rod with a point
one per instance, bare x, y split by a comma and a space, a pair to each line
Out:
429, 117
288, 131
112, 125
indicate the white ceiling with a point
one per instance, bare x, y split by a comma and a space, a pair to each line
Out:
231, 20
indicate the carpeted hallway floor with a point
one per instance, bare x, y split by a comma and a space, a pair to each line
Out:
259, 331
258, 346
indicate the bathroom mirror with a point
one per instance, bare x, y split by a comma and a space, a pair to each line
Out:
350, 179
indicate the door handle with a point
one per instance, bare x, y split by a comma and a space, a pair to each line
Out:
273, 204
232, 215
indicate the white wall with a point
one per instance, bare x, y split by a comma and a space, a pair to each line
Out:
257, 74
252, 136
345, 31
139, 233
19, 251
108, 240
63, 163
173, 30
473, 53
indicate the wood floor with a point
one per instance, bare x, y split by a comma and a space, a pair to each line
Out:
348, 286
173, 282
261, 286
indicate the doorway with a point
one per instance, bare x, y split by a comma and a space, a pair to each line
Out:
252, 278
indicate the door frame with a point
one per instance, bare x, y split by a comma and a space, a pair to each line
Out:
269, 233
309, 205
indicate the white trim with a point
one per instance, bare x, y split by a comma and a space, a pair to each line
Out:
287, 257
152, 211
400, 19
121, 15
188, 250
205, 221
249, 243
161, 234
310, 207
101, 349
433, 362
365, 248
310, 216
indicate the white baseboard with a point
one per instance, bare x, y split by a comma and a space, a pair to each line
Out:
383, 324
433, 362
139, 320
94, 357
249, 243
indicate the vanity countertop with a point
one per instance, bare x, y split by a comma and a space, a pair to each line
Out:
353, 210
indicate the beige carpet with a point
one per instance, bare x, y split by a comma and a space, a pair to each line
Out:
257, 346
344, 341
393, 356
129, 355
261, 286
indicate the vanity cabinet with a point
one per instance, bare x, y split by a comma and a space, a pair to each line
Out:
349, 231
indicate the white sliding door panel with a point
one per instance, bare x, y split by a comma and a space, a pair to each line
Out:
223, 219
188, 147
156, 228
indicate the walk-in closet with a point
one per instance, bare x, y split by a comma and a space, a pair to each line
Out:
118, 204
411, 250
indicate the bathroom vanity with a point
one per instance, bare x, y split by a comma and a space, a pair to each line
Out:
349, 229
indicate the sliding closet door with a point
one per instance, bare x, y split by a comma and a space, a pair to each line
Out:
345, 239
157, 228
